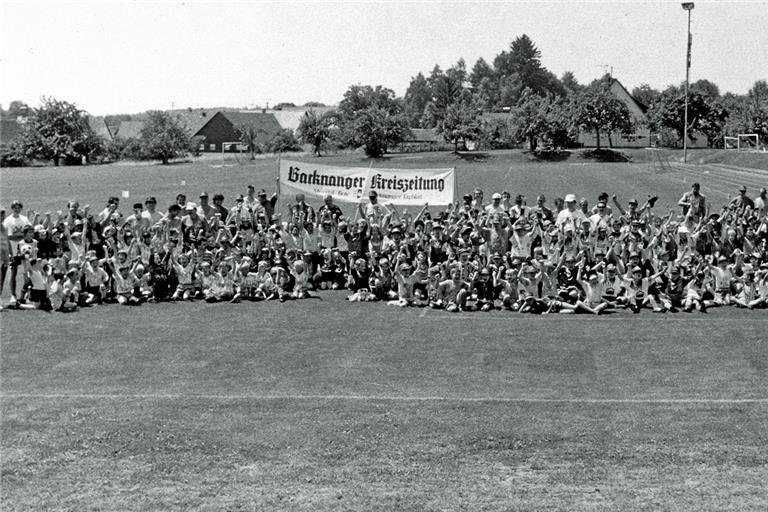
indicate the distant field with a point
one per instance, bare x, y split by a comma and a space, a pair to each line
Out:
49, 189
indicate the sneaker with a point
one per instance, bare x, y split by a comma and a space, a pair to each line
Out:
13, 302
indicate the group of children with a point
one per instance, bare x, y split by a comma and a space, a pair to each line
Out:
470, 256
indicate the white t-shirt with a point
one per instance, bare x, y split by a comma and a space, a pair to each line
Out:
14, 226
573, 218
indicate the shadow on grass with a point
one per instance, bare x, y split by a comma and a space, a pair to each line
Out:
548, 155
605, 155
471, 156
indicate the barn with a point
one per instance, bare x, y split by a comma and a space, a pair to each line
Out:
220, 133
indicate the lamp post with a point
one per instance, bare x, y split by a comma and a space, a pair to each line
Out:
688, 6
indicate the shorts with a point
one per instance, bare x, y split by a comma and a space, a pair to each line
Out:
38, 295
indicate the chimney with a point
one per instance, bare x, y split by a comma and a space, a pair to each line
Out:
263, 110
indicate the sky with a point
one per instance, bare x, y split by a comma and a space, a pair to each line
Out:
131, 56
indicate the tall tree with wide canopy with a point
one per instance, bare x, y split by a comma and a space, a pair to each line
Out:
58, 129
599, 111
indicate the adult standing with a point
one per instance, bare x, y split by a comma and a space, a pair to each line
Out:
150, 213
570, 216
266, 205
205, 210
14, 227
495, 208
742, 201
301, 211
760, 202
330, 207
373, 212
694, 203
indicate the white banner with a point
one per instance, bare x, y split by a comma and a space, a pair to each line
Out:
351, 184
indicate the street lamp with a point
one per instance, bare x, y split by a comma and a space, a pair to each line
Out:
688, 6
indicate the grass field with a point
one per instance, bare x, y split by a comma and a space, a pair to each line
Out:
327, 405
322, 405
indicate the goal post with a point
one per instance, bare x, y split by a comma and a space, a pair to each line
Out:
742, 142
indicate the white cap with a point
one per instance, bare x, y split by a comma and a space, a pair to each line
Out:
570, 198
496, 196
190, 206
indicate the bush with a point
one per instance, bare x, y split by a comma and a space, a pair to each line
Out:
605, 155
12, 155
282, 142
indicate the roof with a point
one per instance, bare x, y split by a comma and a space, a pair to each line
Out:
10, 129
129, 129
266, 122
194, 120
99, 127
290, 118
621, 92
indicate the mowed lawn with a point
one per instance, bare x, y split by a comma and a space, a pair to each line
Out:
327, 405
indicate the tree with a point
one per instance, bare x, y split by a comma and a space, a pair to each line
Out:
58, 129
705, 88
249, 133
284, 104
163, 137
314, 104
480, 71
447, 89
570, 83
529, 119
282, 142
524, 60
376, 130
16, 109
315, 129
704, 115
646, 95
597, 110
372, 118
361, 97
460, 124
416, 98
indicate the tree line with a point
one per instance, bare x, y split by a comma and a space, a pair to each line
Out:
543, 112
60, 132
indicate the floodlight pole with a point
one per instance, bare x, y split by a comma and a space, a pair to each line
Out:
688, 6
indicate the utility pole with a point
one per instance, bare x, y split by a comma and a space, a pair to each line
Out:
688, 6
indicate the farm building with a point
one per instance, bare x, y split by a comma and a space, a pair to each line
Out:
127, 130
220, 129
423, 139
99, 127
641, 138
